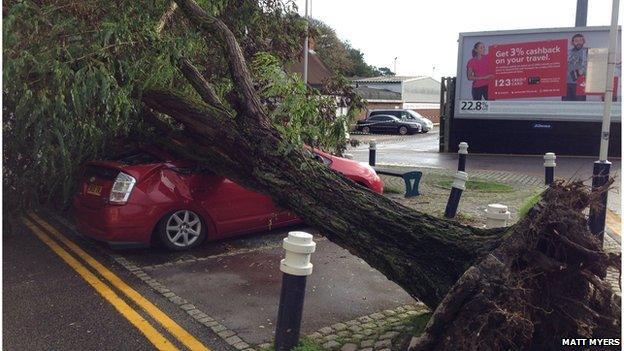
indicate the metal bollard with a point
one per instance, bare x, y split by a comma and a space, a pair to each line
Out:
459, 185
496, 216
372, 152
549, 167
296, 267
598, 213
463, 152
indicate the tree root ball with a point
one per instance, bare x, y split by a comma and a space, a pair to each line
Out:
545, 282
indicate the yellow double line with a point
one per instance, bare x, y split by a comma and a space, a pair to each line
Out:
151, 333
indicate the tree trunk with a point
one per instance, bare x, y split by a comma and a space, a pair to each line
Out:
444, 264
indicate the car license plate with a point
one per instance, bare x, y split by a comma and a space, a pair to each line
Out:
94, 189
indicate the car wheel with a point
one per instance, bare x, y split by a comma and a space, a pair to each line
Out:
181, 230
366, 130
403, 130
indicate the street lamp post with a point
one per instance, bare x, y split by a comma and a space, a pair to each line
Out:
597, 213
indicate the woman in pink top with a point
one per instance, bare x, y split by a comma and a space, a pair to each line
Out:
479, 72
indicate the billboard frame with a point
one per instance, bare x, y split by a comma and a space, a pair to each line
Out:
527, 117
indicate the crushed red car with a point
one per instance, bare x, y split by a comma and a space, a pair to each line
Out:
147, 196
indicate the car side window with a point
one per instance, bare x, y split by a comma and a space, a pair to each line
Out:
376, 118
405, 115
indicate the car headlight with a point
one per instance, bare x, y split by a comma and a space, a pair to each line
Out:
122, 187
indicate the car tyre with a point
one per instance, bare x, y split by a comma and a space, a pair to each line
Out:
181, 230
366, 130
403, 130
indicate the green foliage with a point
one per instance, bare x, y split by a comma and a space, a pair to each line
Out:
529, 203
74, 72
304, 115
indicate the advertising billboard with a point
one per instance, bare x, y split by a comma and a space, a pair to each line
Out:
538, 74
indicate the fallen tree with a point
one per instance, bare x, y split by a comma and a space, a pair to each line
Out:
523, 287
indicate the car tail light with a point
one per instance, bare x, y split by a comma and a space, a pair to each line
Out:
122, 187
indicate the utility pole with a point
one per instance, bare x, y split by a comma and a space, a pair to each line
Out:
395, 72
305, 47
602, 167
581, 13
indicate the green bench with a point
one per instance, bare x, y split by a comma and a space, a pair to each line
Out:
411, 179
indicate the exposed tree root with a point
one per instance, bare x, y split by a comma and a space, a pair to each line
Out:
544, 283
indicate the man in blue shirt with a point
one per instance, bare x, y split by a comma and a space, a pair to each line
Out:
577, 67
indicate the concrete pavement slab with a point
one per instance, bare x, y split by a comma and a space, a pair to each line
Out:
242, 291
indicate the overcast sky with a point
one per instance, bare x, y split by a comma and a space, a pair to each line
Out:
423, 33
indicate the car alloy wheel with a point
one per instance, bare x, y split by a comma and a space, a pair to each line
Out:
403, 130
365, 130
183, 228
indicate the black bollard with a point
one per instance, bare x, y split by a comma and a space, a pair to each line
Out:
296, 267
463, 153
549, 168
459, 185
598, 212
372, 152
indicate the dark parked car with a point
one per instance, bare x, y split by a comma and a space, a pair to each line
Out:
405, 114
387, 124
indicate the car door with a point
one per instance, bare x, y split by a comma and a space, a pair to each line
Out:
375, 124
390, 124
232, 208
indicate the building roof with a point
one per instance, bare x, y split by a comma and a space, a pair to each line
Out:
387, 79
318, 73
378, 94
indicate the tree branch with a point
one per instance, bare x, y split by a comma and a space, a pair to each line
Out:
236, 61
199, 82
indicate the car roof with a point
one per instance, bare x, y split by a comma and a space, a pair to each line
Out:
395, 117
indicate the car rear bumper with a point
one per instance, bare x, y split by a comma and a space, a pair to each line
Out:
113, 224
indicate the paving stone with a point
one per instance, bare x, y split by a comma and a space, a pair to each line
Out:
233, 340
315, 335
339, 326
400, 309
164, 290
388, 335
377, 316
178, 300
352, 323
367, 349
365, 319
193, 312
399, 328
412, 313
348, 347
168, 294
389, 312
369, 325
217, 328
386, 349
343, 333
226, 333
331, 337
211, 324
381, 344
367, 332
326, 330
205, 319
241, 345
357, 337
265, 345
187, 306
199, 315
367, 343
249, 349
355, 328
403, 315
331, 345
392, 320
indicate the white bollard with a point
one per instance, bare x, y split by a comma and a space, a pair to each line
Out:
296, 267
496, 216
298, 246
